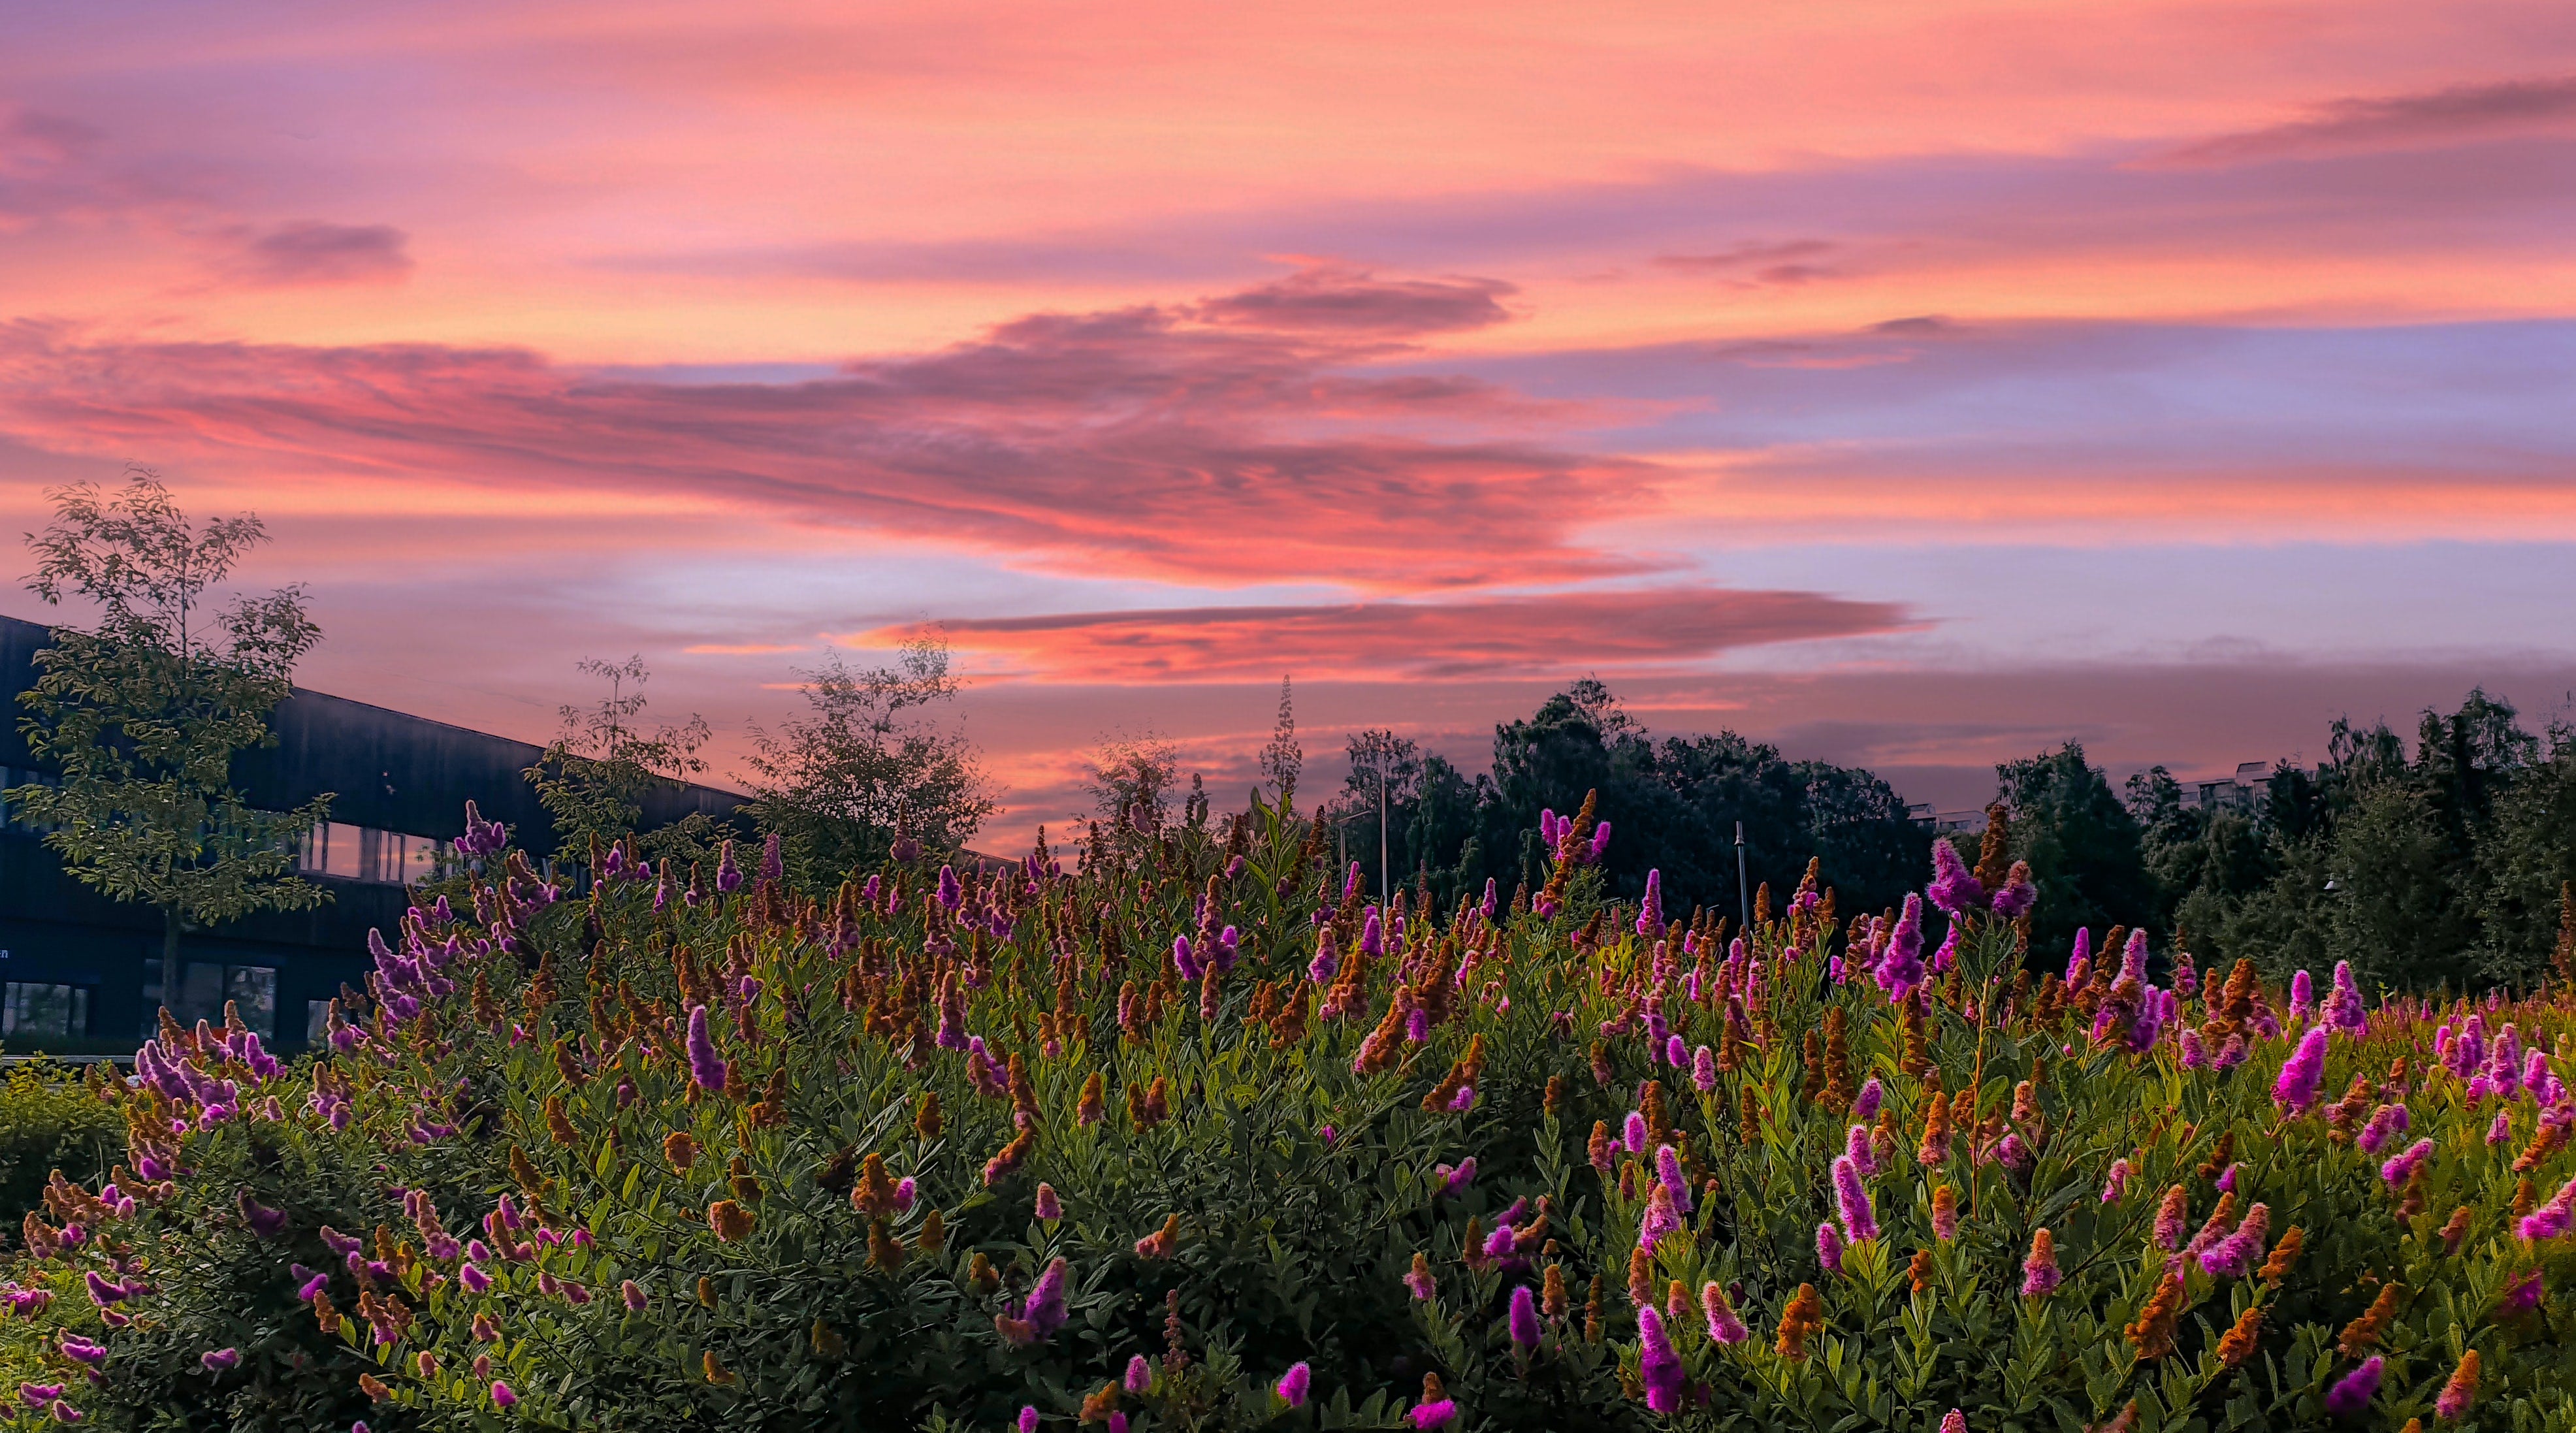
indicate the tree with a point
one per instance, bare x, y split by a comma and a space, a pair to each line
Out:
1130, 780
2528, 856
1377, 802
142, 716
2084, 848
840, 784
593, 776
1282, 759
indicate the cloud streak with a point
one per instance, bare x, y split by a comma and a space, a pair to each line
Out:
1140, 440
310, 252
1458, 640
2459, 114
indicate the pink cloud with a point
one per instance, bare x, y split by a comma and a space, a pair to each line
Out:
1479, 639
1752, 265
1335, 300
1133, 441
2459, 114
308, 251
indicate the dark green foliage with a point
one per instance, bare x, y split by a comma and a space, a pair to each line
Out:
2433, 863
50, 1120
1678, 801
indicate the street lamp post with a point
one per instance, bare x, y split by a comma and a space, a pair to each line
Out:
1742, 889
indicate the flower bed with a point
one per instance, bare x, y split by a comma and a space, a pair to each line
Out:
1196, 1138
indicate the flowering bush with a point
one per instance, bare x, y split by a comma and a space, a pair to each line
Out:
51, 1118
1196, 1138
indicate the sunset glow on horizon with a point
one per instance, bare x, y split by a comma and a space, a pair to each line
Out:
1913, 385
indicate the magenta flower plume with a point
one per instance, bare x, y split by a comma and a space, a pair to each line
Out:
1140, 1375
1872, 1095
1704, 1070
2018, 894
2234, 1256
1044, 1310
1851, 1201
1524, 1318
1724, 1324
2301, 1074
1954, 889
728, 881
1293, 1385
1438, 1413
1901, 969
1668, 1170
1650, 911
2351, 1395
218, 1360
1954, 1421
2039, 1272
2115, 1185
2520, 1297
1632, 1132
1661, 1221
502, 1396
2553, 1218
1657, 1363
2386, 1123
1028, 1418
2303, 994
1328, 955
2396, 1170
1829, 1247
704, 1068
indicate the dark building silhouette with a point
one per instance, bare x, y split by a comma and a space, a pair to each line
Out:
80, 969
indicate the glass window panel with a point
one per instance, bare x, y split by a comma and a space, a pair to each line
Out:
420, 857
340, 850
37, 1010
253, 991
317, 1021
200, 994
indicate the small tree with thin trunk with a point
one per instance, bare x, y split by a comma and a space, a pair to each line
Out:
863, 769
141, 717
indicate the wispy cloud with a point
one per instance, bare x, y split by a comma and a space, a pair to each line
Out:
1338, 300
2459, 114
309, 251
1466, 639
1134, 441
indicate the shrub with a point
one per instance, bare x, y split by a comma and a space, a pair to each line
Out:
51, 1118
1140, 1146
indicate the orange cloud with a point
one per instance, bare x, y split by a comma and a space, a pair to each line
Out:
1136, 441
1481, 639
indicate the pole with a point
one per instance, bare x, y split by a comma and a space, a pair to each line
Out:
1385, 894
1742, 888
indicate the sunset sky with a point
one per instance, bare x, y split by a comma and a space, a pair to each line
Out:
1911, 384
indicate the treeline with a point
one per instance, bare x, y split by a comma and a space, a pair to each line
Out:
1673, 805
2443, 862
2444, 865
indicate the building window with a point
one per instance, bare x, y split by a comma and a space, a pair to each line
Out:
317, 1021
30, 1010
252, 991
202, 989
363, 853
